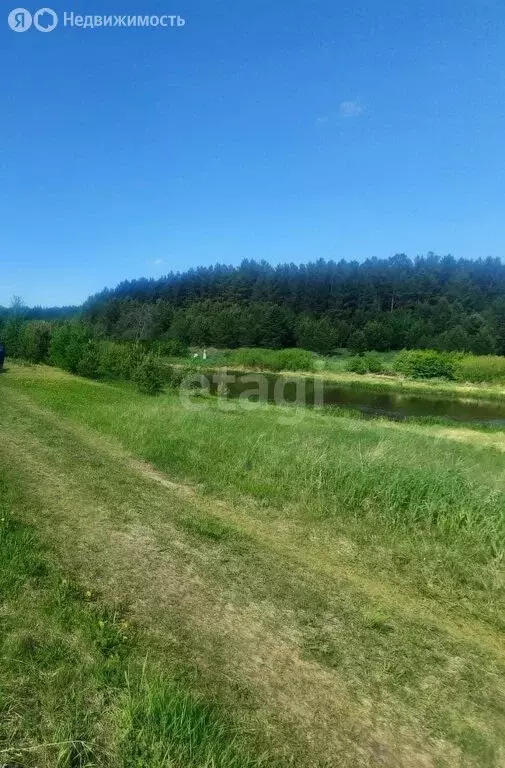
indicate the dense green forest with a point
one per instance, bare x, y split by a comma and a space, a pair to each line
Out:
380, 304
37, 313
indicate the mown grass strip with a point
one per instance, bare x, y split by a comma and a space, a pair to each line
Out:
75, 686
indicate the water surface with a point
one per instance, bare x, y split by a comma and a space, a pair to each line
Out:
394, 405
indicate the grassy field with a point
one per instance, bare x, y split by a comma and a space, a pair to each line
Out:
217, 587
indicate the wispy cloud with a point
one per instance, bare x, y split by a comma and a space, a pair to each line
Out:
156, 262
349, 109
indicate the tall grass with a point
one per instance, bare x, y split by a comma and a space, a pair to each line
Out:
159, 724
272, 359
383, 478
430, 364
480, 369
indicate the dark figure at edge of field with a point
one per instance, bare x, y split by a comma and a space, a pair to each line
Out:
2, 356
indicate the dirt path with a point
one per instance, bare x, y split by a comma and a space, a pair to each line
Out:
260, 613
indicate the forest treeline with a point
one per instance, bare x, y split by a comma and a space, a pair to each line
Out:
380, 304
38, 313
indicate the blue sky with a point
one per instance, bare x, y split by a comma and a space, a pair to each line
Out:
274, 129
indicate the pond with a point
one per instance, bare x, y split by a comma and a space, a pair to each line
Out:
394, 405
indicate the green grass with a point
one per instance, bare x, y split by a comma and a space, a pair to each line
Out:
481, 369
75, 686
337, 581
376, 472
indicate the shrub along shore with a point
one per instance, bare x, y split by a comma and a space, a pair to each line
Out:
73, 347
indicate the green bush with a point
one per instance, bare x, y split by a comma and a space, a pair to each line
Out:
173, 376
134, 355
356, 364
89, 363
357, 342
369, 363
294, 360
118, 361
426, 364
68, 344
34, 341
373, 362
11, 335
149, 375
170, 348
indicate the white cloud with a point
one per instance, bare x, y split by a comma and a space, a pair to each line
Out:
350, 109
156, 262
